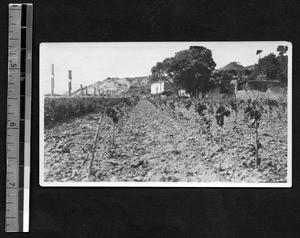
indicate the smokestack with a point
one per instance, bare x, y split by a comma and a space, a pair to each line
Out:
81, 89
70, 82
52, 79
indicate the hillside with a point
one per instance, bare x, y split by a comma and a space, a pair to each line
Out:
232, 66
250, 67
116, 85
235, 66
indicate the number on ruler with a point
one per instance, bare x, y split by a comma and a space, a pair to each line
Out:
12, 184
13, 65
12, 124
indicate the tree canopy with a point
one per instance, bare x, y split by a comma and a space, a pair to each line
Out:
189, 69
268, 66
272, 66
282, 49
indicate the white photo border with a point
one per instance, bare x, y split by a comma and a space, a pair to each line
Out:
287, 184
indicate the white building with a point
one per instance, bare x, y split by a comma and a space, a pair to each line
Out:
160, 87
182, 92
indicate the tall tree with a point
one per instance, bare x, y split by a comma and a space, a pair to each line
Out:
283, 63
282, 74
268, 66
190, 69
282, 49
158, 73
272, 66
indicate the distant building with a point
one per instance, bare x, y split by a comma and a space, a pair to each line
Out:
160, 87
182, 92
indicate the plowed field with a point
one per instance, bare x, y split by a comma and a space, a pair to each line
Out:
161, 145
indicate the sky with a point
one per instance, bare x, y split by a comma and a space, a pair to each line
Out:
91, 62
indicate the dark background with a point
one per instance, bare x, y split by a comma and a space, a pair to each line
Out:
155, 212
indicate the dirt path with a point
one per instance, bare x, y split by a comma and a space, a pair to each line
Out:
152, 145
162, 150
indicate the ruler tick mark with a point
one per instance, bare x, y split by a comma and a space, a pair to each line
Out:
19, 45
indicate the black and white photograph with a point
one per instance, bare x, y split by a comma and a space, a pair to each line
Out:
170, 114
149, 118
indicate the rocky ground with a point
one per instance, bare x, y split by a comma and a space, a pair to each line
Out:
154, 145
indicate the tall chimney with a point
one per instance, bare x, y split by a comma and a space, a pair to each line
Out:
81, 89
52, 80
70, 82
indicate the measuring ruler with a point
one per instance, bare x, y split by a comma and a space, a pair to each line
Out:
18, 117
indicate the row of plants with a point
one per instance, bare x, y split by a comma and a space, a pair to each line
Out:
206, 110
64, 108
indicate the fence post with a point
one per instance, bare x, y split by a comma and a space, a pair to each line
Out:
81, 90
86, 91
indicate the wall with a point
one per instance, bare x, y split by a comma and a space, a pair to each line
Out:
214, 92
255, 94
262, 85
168, 86
224, 90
